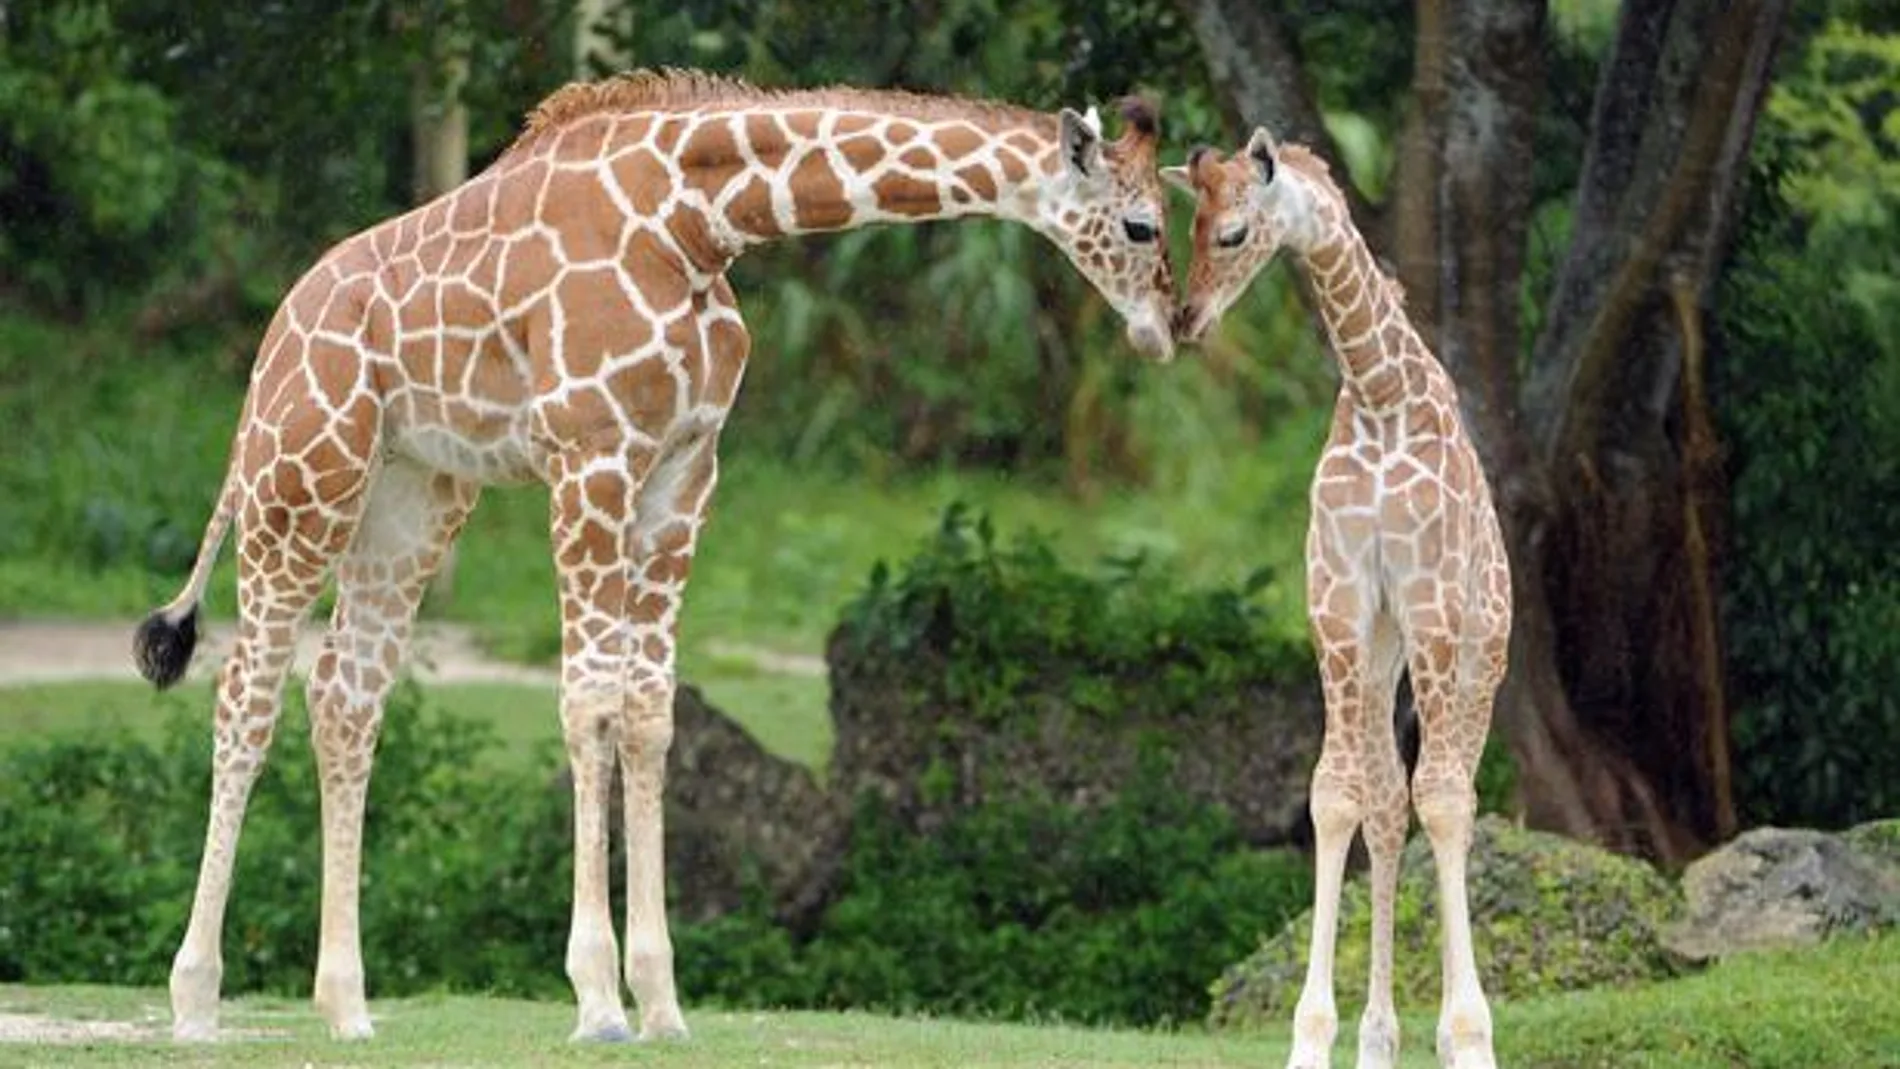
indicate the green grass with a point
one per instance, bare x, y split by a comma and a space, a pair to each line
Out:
466, 1031
785, 713
1834, 1007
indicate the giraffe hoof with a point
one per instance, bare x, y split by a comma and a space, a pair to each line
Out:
611, 1032
352, 1030
195, 1030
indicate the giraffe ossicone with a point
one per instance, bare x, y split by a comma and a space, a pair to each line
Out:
1406, 572
564, 317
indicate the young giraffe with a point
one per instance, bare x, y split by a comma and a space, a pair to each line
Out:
564, 316
1406, 570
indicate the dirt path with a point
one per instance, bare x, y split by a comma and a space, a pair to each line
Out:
64, 651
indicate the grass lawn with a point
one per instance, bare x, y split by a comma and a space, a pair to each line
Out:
785, 713
1835, 1007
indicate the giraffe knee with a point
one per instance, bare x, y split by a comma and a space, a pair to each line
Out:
1445, 806
1335, 809
646, 733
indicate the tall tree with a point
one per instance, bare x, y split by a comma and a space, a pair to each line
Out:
1598, 444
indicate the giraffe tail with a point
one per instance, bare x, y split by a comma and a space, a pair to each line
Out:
164, 642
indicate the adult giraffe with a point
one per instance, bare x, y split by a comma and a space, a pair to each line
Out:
1405, 570
564, 316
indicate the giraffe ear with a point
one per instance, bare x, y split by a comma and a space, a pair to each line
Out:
1081, 143
1263, 151
1178, 178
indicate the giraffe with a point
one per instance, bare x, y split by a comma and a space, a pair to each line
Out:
564, 317
1406, 571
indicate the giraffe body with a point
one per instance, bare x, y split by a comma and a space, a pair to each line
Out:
564, 318
1406, 571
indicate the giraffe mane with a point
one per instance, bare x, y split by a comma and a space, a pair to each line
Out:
1301, 158
677, 89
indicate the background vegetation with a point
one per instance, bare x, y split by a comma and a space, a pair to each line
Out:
167, 167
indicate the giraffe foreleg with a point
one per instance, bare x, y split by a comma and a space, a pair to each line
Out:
1338, 805
592, 507
412, 517
671, 509
1387, 819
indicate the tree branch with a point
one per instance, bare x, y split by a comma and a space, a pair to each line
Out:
1257, 70
1573, 392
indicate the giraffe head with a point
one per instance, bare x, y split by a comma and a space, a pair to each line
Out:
1106, 210
1245, 208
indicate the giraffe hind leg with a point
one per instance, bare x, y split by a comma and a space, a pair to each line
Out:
1451, 737
284, 555
412, 517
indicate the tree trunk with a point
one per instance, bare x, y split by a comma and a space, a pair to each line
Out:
1601, 458
438, 131
1615, 407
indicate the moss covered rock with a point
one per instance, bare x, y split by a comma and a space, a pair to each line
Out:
1878, 841
1548, 913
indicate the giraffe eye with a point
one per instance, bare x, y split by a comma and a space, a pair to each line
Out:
1138, 232
1232, 239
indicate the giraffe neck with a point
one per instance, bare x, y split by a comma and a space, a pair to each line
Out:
765, 171
1364, 314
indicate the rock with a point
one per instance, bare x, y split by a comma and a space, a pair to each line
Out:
1249, 749
1878, 841
1778, 888
1548, 914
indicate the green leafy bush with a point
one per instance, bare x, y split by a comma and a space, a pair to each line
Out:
1033, 909
1008, 619
1115, 914
97, 188
100, 838
1811, 416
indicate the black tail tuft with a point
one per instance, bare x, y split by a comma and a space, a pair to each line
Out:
163, 649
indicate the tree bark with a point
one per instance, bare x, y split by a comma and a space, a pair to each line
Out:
1256, 68
438, 131
1601, 455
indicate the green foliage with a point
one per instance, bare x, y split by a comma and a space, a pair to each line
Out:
1812, 611
95, 186
1838, 112
1007, 619
1020, 909
1026, 909
116, 458
1550, 915
101, 836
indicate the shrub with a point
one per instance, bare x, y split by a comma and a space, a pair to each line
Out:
1026, 908
1007, 620
101, 837
1812, 613
1034, 909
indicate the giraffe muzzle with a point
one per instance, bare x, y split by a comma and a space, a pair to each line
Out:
1152, 341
